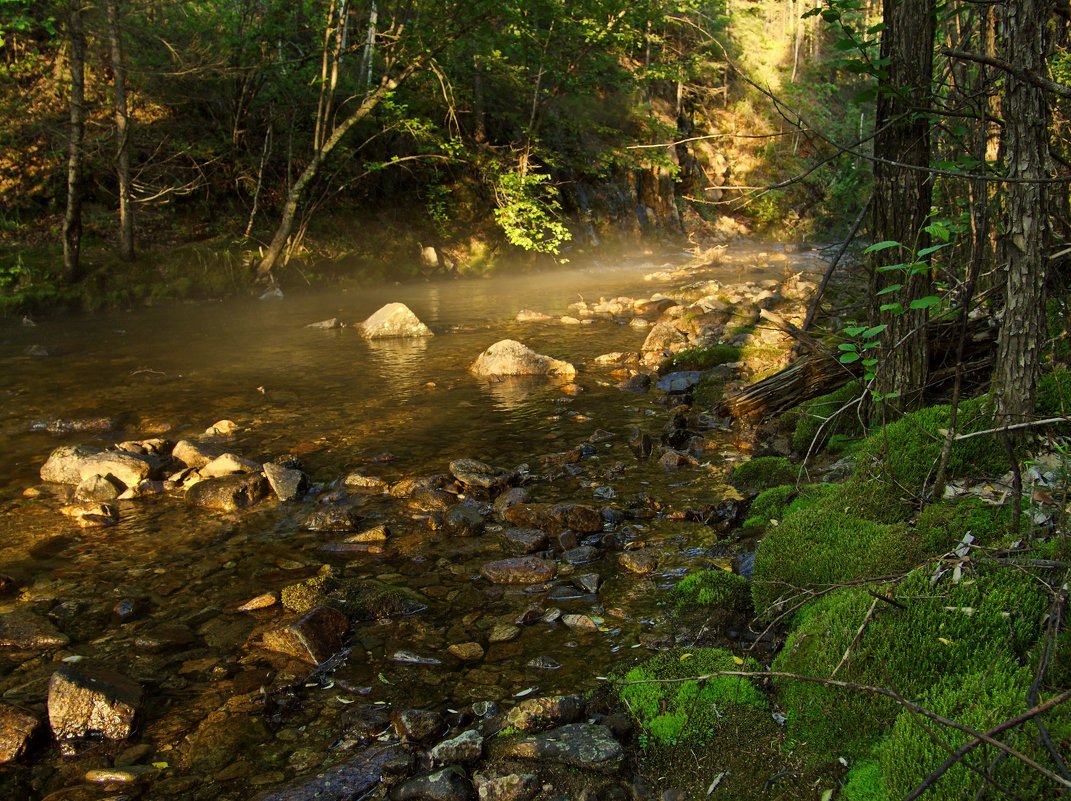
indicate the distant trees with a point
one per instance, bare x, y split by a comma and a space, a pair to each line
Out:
72, 218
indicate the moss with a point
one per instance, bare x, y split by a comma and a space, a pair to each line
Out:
941, 526
818, 420
980, 700
936, 634
820, 546
905, 454
703, 358
777, 503
712, 588
863, 783
311, 592
1053, 394
673, 712
764, 472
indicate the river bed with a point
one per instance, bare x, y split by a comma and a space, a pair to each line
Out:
216, 723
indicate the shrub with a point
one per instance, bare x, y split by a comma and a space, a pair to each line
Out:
673, 712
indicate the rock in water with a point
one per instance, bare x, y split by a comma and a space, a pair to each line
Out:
345, 782
83, 702
578, 745
287, 483
448, 784
17, 729
315, 637
392, 321
509, 357
519, 570
229, 493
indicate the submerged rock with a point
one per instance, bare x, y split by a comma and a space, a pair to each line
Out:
448, 784
345, 782
18, 727
510, 358
548, 712
287, 484
333, 518
393, 321
555, 517
475, 474
25, 631
417, 725
520, 570
92, 702
92, 515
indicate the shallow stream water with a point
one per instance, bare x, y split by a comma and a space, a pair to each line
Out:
211, 723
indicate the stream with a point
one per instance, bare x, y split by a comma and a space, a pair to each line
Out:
156, 596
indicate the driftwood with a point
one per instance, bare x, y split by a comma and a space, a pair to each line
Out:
820, 372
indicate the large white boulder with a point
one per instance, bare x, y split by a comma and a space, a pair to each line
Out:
392, 321
509, 357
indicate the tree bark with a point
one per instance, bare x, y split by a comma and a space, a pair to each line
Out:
297, 191
902, 197
122, 132
72, 218
1026, 156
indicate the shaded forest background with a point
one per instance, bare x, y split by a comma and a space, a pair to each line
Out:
514, 128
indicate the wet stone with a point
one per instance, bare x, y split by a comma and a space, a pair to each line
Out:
638, 562
464, 520
23, 630
467, 651
479, 475
510, 787
519, 570
567, 540
429, 499
503, 632
333, 518
533, 613
350, 780
367, 484
464, 749
97, 488
17, 730
92, 515
378, 533
448, 784
581, 622
8, 585
578, 745
511, 497
525, 540
417, 725
555, 517
287, 483
314, 637
411, 658
228, 463
548, 712
88, 701
588, 582
193, 454
228, 493
581, 555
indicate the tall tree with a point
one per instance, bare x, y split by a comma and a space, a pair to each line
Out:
902, 196
72, 219
122, 131
1023, 246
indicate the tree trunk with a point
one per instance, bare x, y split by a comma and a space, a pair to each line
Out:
297, 190
1026, 155
72, 219
122, 132
902, 198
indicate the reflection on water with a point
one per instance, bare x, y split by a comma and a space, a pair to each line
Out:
399, 364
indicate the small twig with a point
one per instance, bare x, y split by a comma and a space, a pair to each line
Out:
1016, 427
887, 599
812, 309
855, 639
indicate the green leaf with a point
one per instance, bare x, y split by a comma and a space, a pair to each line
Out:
874, 331
888, 268
925, 303
932, 249
848, 358
847, 346
854, 330
890, 288
895, 308
877, 247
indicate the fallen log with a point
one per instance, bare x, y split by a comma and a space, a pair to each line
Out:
820, 372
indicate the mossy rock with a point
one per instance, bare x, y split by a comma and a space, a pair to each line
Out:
937, 632
702, 358
678, 711
712, 588
942, 526
905, 454
777, 503
820, 546
980, 700
813, 423
764, 472
360, 599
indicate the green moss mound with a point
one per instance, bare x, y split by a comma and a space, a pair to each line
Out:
777, 503
821, 545
764, 472
905, 454
1053, 394
712, 588
980, 700
702, 358
934, 633
677, 711
863, 783
941, 526
820, 419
